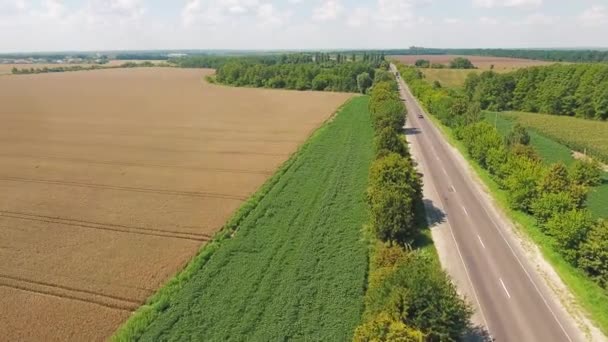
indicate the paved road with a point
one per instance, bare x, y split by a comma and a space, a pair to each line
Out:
512, 301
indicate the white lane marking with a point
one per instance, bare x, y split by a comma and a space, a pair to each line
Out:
504, 287
453, 190
466, 269
466, 212
481, 241
444, 171
523, 268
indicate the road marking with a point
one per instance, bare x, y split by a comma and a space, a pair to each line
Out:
466, 212
444, 171
481, 242
504, 287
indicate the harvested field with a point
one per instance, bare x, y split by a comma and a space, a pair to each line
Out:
6, 69
481, 62
111, 180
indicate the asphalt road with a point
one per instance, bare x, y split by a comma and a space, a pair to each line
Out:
512, 300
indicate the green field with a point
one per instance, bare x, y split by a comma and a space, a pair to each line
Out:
448, 77
578, 134
552, 151
295, 268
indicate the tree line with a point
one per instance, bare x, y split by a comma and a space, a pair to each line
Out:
456, 63
570, 55
26, 71
553, 194
409, 297
574, 89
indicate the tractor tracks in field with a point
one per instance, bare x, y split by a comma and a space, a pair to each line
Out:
199, 194
70, 293
202, 237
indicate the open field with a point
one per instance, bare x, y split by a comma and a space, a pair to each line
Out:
6, 69
552, 151
111, 180
481, 62
295, 268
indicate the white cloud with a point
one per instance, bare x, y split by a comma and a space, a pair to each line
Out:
540, 19
328, 10
488, 21
522, 4
269, 16
452, 21
359, 17
12, 7
594, 16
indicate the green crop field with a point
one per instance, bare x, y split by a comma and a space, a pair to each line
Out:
552, 151
577, 134
296, 267
448, 77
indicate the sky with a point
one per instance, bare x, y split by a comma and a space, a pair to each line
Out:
101, 25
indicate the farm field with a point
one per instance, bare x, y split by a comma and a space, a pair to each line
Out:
448, 77
6, 69
552, 151
296, 267
111, 180
481, 62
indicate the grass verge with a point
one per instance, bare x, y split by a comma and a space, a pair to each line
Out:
591, 297
295, 267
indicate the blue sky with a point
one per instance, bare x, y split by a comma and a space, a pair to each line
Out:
54, 25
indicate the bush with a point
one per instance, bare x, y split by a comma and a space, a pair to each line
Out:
394, 188
384, 328
421, 296
389, 141
593, 258
518, 135
587, 173
549, 204
570, 230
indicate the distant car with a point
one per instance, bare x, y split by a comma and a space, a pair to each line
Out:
420, 116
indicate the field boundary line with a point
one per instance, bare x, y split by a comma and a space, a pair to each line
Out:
144, 316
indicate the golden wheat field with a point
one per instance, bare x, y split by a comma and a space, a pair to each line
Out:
111, 180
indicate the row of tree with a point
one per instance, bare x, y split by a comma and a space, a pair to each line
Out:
554, 195
409, 297
330, 75
574, 89
456, 63
570, 55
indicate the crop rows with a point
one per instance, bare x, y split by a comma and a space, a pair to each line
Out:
295, 267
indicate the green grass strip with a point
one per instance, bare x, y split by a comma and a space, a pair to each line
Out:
296, 266
591, 297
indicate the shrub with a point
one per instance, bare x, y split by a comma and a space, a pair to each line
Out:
388, 140
593, 258
587, 173
549, 204
570, 230
384, 328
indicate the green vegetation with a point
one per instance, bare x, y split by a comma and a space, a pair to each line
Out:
306, 71
291, 264
567, 131
448, 77
409, 297
552, 151
573, 90
554, 55
461, 63
548, 200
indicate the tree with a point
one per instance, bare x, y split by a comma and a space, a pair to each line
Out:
586, 173
593, 258
421, 295
550, 204
570, 230
461, 63
383, 328
387, 140
422, 63
518, 135
555, 179
364, 81
394, 189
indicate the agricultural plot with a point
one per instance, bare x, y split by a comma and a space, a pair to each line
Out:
111, 180
553, 151
295, 268
482, 62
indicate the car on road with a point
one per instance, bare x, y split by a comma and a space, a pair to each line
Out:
420, 116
